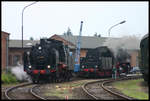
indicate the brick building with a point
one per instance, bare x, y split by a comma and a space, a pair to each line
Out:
16, 51
134, 60
4, 49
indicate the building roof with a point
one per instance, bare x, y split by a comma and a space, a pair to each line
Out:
18, 43
87, 42
5, 32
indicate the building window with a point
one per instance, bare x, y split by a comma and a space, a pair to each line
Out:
16, 59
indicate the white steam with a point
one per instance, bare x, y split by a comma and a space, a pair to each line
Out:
125, 43
18, 71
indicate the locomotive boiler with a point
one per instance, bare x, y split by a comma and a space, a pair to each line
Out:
48, 61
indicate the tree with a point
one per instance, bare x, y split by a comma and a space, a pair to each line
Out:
31, 38
68, 32
64, 33
95, 34
99, 35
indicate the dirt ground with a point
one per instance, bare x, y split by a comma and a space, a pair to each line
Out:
69, 90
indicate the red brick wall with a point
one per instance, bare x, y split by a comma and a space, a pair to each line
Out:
16, 51
56, 37
134, 58
4, 35
12, 53
83, 53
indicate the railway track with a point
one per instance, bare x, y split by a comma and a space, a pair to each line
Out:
97, 90
22, 91
94, 90
27, 92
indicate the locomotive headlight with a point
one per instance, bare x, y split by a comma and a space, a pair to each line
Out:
40, 47
30, 66
28, 53
96, 66
48, 66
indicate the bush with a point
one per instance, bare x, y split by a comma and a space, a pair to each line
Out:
8, 78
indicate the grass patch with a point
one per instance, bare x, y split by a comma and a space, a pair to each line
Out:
8, 78
132, 88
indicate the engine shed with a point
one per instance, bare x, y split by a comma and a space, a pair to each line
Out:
16, 51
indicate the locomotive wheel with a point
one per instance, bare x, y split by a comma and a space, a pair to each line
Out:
68, 76
35, 81
52, 77
58, 78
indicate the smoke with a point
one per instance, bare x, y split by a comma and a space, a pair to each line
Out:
122, 45
18, 71
122, 56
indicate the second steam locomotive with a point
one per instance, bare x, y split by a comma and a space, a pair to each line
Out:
97, 63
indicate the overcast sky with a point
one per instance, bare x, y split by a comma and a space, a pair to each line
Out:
44, 19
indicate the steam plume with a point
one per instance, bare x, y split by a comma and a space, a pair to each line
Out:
120, 46
125, 43
19, 73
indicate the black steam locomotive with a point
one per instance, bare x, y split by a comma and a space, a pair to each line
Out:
123, 61
48, 61
97, 63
